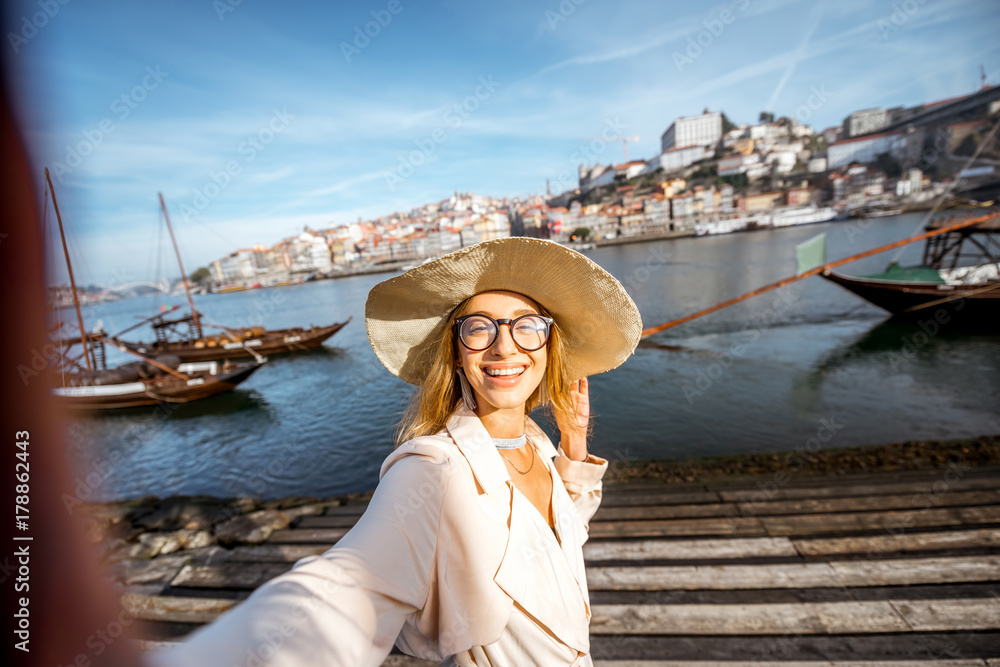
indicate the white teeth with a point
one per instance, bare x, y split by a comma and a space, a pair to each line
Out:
504, 371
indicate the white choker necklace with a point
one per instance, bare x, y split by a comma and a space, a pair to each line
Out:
511, 443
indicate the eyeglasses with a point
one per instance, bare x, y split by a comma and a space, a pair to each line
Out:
478, 332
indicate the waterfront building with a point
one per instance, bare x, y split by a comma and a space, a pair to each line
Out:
682, 206
763, 201
725, 202
704, 130
802, 196
865, 121
240, 265
857, 185
910, 183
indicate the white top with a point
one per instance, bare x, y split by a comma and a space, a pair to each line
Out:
450, 562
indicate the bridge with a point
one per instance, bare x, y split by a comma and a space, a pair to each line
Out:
162, 286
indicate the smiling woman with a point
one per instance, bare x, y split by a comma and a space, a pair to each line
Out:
470, 551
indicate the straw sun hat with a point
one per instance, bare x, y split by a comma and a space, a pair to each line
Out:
405, 314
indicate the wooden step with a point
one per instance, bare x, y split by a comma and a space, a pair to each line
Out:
973, 662
900, 572
926, 648
730, 526
709, 549
800, 525
782, 507
929, 487
875, 546
803, 618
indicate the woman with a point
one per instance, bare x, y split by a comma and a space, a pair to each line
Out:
470, 551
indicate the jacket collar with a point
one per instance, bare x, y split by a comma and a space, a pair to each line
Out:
477, 446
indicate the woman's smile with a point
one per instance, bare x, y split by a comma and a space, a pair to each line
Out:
504, 375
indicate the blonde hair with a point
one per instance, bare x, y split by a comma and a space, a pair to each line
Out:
435, 400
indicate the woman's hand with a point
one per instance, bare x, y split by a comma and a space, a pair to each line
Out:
573, 432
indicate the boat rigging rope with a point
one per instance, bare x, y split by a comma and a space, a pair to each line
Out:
953, 297
951, 186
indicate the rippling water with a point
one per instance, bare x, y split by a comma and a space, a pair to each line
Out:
759, 376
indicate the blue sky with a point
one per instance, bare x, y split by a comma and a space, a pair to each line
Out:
203, 80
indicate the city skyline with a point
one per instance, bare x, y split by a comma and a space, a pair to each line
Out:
255, 122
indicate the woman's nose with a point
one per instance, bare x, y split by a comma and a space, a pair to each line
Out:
504, 344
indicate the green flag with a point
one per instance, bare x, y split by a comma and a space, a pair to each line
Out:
811, 253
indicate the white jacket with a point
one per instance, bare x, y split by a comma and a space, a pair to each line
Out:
450, 561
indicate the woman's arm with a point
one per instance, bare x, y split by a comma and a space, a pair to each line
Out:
580, 470
347, 606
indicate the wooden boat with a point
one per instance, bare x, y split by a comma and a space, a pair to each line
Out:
185, 338
86, 383
141, 383
181, 337
972, 291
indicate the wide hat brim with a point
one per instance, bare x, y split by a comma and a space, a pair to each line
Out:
406, 314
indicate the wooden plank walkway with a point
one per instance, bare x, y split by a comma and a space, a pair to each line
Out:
897, 568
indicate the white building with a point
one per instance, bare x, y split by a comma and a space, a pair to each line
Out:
238, 265
596, 176
865, 149
768, 133
738, 164
817, 165
703, 130
309, 252
677, 158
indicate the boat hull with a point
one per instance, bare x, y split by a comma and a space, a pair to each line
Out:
168, 389
912, 299
279, 341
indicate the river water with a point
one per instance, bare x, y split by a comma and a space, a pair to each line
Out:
809, 360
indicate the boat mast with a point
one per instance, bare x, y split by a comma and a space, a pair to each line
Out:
69, 267
187, 288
